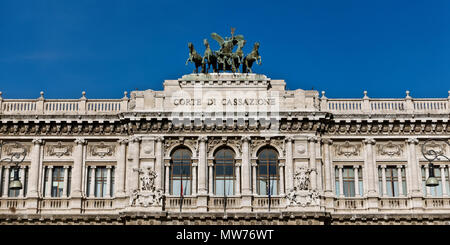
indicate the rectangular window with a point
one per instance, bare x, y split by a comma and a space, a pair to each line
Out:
392, 181
100, 181
348, 181
57, 182
112, 181
14, 193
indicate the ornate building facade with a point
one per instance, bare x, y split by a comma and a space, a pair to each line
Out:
226, 148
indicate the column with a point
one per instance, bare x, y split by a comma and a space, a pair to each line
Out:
370, 167
158, 164
6, 181
48, 188
289, 168
167, 179
211, 177
414, 168
427, 174
22, 179
120, 173
383, 180
77, 171
34, 168
202, 166
1, 180
246, 168
341, 182
400, 180
357, 194
328, 166
66, 180
132, 178
444, 181
92, 184
312, 161
238, 180
194, 179
108, 181
254, 187
281, 179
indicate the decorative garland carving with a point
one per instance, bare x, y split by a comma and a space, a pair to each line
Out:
390, 149
101, 150
59, 150
16, 148
347, 149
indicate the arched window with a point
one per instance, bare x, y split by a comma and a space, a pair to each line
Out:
224, 172
181, 172
267, 172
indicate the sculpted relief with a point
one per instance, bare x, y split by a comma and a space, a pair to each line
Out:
147, 194
101, 150
390, 149
59, 150
347, 149
301, 194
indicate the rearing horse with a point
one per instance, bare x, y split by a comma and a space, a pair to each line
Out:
194, 57
250, 58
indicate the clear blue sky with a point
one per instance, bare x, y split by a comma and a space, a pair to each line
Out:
106, 47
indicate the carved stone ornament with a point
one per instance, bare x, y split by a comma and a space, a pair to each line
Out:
301, 194
12, 149
348, 149
59, 150
102, 150
147, 194
234, 143
432, 146
390, 149
190, 143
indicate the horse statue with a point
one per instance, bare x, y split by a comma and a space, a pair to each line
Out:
194, 57
238, 56
210, 58
250, 58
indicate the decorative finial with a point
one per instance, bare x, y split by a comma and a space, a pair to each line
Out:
42, 94
365, 95
125, 93
407, 94
448, 94
2, 93
83, 95
323, 95
232, 31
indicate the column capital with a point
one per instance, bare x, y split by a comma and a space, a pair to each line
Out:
327, 141
382, 166
66, 166
80, 141
400, 166
109, 166
92, 166
50, 166
135, 139
160, 138
369, 141
123, 141
289, 138
313, 139
355, 166
441, 166
203, 138
340, 166
412, 141
246, 138
37, 141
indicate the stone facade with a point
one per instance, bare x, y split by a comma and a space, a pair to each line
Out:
338, 160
